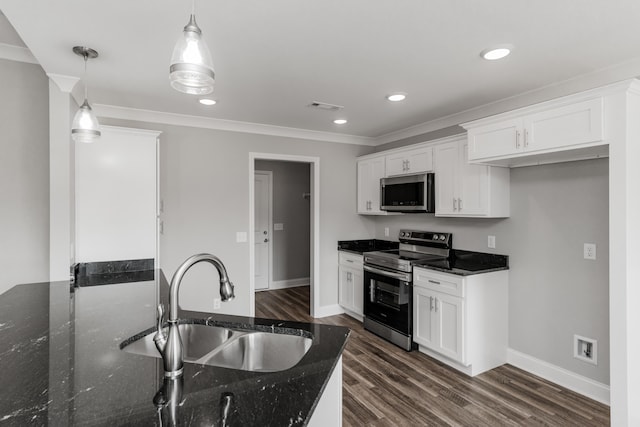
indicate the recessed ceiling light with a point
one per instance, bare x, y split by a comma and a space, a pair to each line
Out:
395, 97
207, 101
497, 52
340, 121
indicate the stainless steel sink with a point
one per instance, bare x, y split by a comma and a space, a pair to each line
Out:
260, 351
197, 341
227, 348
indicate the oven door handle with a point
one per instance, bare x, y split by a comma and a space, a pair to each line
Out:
400, 276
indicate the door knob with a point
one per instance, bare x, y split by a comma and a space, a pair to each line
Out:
266, 240
264, 232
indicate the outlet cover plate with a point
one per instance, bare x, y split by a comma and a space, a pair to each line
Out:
491, 242
590, 251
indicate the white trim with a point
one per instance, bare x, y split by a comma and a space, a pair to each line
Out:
17, 53
125, 113
64, 83
328, 310
578, 383
269, 175
314, 163
289, 283
130, 131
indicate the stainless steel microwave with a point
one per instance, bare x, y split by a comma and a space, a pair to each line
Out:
408, 193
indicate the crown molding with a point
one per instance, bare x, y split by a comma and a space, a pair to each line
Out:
125, 113
17, 53
64, 83
595, 79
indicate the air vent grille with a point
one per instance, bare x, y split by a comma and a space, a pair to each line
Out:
325, 106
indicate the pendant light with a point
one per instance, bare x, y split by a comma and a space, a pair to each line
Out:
85, 127
191, 69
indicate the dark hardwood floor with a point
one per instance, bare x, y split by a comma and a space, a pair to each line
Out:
385, 386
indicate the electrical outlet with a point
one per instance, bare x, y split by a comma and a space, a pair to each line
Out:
589, 251
386, 232
491, 242
585, 349
216, 303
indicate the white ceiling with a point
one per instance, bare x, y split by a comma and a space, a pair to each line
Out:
274, 57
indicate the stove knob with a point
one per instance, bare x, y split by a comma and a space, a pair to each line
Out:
442, 237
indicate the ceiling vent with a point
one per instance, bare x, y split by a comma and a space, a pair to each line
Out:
324, 106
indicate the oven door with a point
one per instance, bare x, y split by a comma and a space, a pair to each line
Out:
388, 298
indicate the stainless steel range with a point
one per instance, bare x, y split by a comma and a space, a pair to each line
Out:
388, 277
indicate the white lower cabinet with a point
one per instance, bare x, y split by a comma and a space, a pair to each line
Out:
351, 283
461, 320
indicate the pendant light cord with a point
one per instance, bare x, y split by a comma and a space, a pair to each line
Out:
86, 84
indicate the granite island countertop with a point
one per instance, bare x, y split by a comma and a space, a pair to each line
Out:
62, 364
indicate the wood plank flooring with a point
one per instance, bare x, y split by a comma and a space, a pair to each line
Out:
385, 386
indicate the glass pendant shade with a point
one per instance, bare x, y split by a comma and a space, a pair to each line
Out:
85, 127
191, 69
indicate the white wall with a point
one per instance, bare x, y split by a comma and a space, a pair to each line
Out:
553, 292
204, 181
24, 174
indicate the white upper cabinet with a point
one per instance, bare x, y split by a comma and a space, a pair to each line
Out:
464, 189
409, 162
529, 135
370, 171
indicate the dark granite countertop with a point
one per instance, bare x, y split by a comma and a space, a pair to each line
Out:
62, 364
366, 245
467, 263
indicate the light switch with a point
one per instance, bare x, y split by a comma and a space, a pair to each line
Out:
241, 237
491, 242
278, 226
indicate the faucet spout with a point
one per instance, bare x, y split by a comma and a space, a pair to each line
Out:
172, 345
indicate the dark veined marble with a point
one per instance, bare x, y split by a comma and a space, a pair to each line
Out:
113, 272
366, 245
467, 263
62, 364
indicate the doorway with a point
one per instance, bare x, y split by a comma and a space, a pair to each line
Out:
311, 198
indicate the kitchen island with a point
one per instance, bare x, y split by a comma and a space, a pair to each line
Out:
62, 364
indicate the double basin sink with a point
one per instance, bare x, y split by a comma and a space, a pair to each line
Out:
230, 348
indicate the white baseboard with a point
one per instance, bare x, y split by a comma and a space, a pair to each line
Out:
289, 283
328, 310
578, 383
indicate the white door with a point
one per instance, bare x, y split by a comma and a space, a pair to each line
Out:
262, 230
115, 190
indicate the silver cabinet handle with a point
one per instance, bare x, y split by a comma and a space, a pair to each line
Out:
408, 165
348, 276
526, 137
436, 303
517, 139
431, 303
455, 204
434, 282
459, 204
350, 260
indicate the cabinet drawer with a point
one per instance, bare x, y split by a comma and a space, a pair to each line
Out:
439, 282
350, 260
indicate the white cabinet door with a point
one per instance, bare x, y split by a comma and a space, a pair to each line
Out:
345, 285
423, 320
578, 123
496, 139
446, 167
370, 172
357, 282
449, 314
409, 162
473, 185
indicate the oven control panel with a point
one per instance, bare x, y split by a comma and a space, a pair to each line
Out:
425, 238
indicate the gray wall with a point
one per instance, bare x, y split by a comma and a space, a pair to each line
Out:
291, 244
204, 179
553, 292
24, 174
